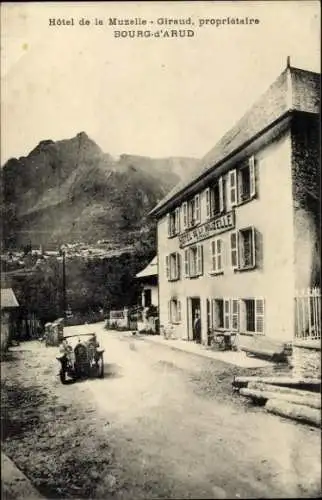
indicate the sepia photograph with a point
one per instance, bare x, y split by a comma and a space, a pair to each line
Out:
160, 250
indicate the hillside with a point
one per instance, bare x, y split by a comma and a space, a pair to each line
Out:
70, 190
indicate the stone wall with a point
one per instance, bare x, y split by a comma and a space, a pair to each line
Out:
306, 362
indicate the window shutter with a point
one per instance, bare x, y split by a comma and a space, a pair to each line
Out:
169, 224
178, 310
208, 207
234, 250
227, 314
169, 311
167, 268
233, 187
258, 249
199, 260
178, 266
242, 316
197, 209
234, 315
252, 178
209, 325
216, 313
213, 256
253, 246
221, 194
219, 254
259, 316
185, 214
186, 263
177, 220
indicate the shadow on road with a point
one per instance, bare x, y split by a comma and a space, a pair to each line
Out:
6, 357
112, 370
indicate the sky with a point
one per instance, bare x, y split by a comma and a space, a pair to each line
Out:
157, 97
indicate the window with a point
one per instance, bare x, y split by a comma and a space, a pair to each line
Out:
226, 314
147, 297
174, 311
217, 255
174, 222
215, 199
243, 248
218, 313
172, 265
193, 211
242, 184
193, 261
253, 315
185, 215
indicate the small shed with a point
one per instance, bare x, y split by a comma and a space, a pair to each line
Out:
9, 303
149, 279
150, 296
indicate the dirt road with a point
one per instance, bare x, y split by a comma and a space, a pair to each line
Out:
161, 424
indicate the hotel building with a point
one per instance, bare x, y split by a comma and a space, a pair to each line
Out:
238, 240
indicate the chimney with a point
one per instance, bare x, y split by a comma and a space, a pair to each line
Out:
288, 62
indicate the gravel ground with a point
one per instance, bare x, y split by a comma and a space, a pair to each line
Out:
161, 424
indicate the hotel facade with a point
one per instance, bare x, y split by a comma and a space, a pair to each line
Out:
238, 240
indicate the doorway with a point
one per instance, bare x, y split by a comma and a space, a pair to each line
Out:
194, 313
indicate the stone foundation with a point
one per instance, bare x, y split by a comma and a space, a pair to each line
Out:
306, 362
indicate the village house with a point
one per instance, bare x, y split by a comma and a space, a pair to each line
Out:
239, 240
149, 281
148, 278
8, 304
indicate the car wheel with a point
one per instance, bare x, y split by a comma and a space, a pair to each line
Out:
62, 376
101, 367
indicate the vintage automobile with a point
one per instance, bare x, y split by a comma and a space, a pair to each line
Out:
80, 356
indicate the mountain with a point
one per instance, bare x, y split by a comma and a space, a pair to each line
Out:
70, 190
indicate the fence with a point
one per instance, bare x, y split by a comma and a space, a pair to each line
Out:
308, 314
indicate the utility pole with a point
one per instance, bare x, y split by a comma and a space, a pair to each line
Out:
64, 297
64, 286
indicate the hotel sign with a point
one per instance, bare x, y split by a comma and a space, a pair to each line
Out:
207, 230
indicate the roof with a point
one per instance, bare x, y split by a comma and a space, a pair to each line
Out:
8, 298
294, 90
150, 270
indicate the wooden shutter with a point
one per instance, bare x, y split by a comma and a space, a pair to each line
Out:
234, 309
227, 314
209, 325
234, 249
169, 311
259, 316
221, 194
177, 220
208, 203
185, 215
169, 225
167, 267
197, 209
199, 260
252, 178
178, 310
186, 263
214, 313
253, 246
233, 187
213, 255
178, 266
219, 244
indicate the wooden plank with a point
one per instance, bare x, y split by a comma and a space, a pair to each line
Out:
261, 396
298, 412
311, 384
276, 388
